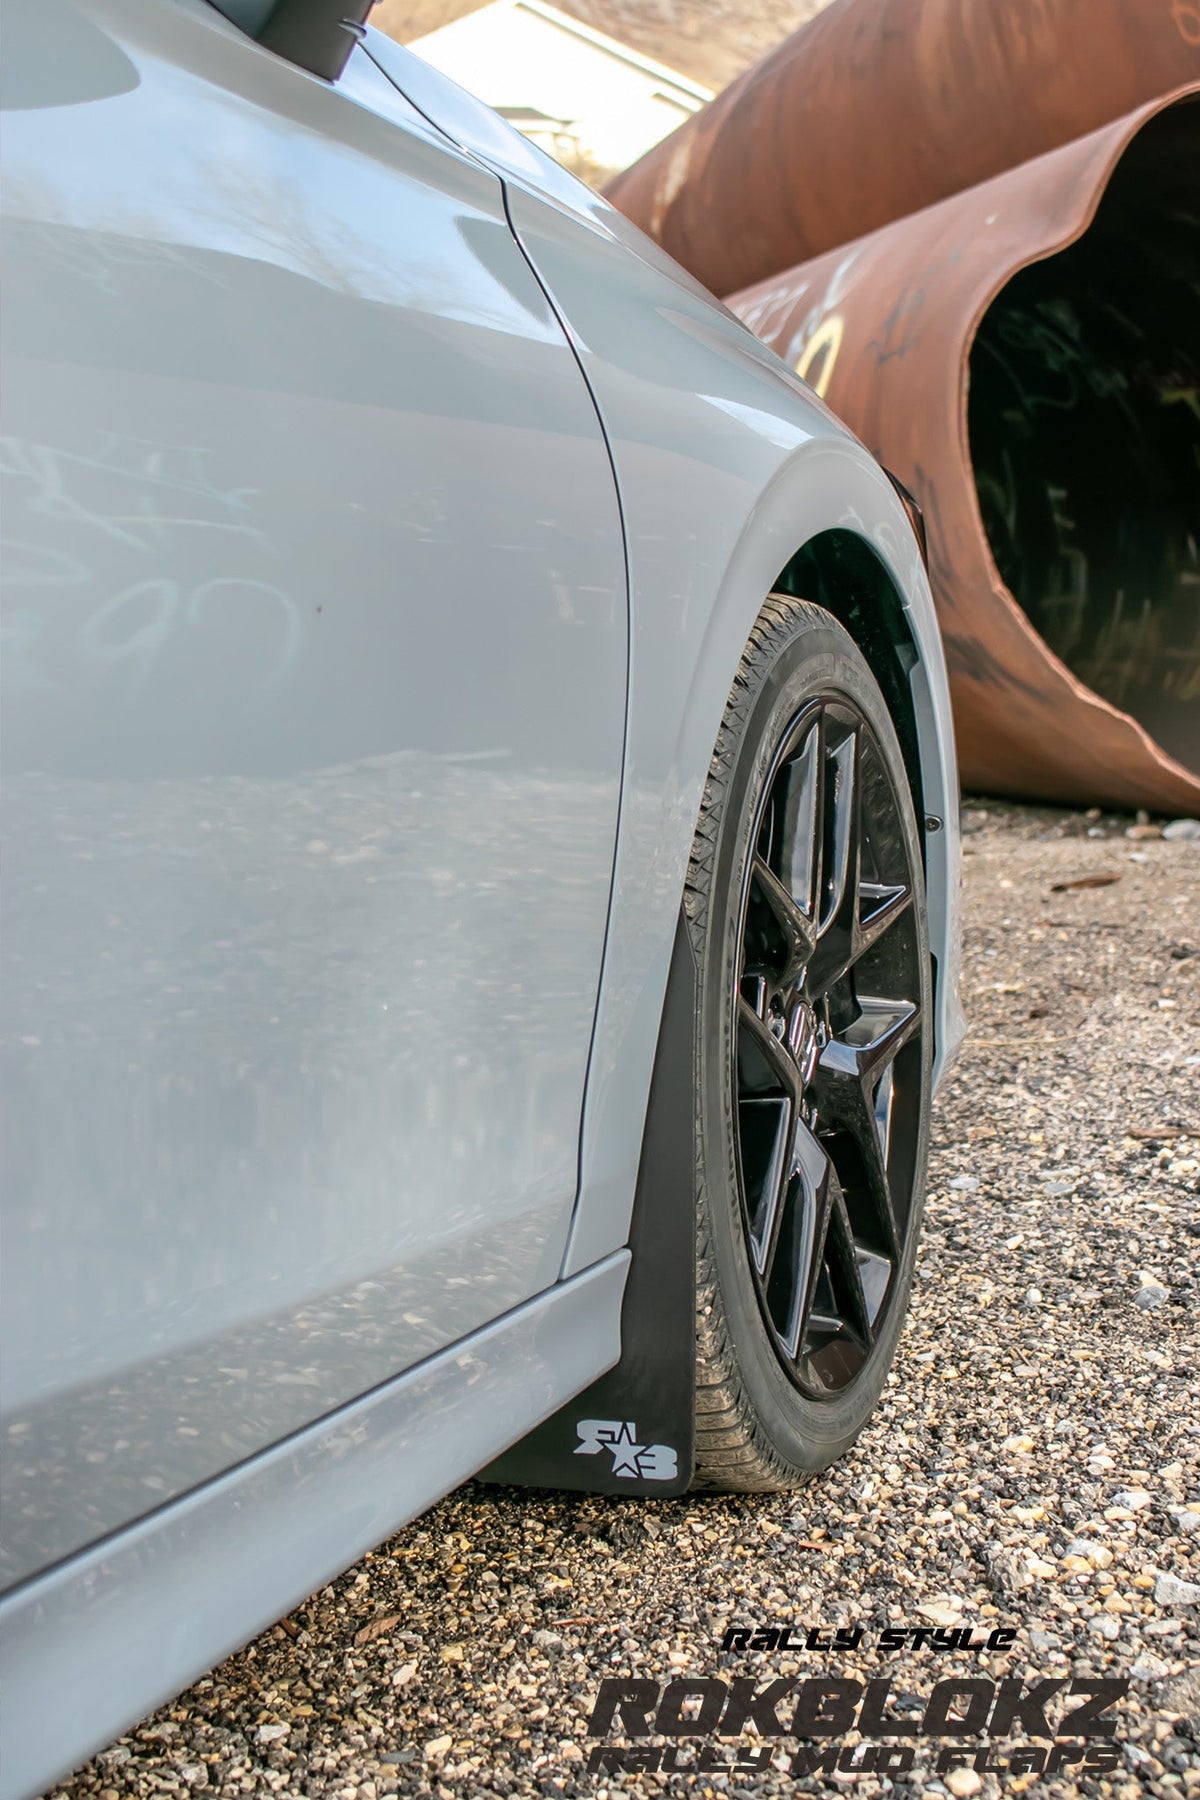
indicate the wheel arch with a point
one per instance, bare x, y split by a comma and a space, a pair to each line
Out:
841, 572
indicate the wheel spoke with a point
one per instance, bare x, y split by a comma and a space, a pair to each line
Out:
843, 834
871, 1192
798, 932
882, 1106
887, 904
764, 1066
855, 1093
865, 1048
803, 800
855, 1096
765, 1131
843, 1255
840, 868
813, 1171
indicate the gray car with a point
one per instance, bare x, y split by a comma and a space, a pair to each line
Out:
482, 859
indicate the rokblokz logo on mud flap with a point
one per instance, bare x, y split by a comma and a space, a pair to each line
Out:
702, 1717
638, 1462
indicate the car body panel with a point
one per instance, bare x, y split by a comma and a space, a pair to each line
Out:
314, 712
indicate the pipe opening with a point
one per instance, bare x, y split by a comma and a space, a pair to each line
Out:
1084, 423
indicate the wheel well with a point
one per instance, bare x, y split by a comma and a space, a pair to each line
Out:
839, 571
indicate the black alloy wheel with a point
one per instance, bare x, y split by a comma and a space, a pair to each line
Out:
827, 1064
807, 911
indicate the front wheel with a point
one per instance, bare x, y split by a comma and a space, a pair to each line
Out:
806, 909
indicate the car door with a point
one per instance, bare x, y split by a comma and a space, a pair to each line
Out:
314, 707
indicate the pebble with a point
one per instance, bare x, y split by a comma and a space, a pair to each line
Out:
1169, 1590
942, 1612
1105, 1625
1182, 1697
1151, 1295
963, 1782
1185, 830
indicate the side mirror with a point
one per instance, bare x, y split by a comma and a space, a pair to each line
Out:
317, 35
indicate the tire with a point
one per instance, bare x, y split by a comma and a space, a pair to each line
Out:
796, 921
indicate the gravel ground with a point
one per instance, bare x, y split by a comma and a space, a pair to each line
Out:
1035, 1461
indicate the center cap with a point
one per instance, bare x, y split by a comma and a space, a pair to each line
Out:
802, 1039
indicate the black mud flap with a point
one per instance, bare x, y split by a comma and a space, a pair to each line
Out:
634, 1431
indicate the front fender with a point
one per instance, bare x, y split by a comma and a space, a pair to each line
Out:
726, 466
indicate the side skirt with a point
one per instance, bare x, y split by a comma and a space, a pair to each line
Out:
96, 1643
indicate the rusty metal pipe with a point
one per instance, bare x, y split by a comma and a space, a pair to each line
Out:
1025, 356
877, 107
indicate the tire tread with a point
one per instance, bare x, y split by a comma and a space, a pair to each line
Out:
728, 1436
